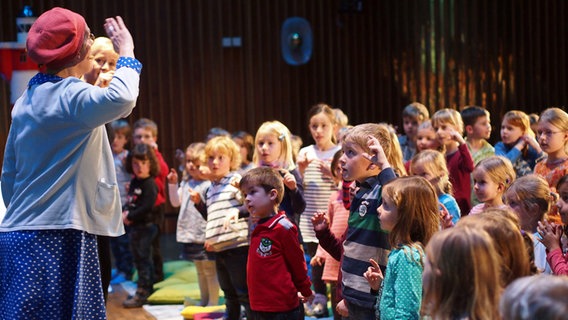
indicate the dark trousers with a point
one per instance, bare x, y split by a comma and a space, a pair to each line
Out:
295, 314
141, 238
120, 248
232, 274
317, 271
105, 262
157, 260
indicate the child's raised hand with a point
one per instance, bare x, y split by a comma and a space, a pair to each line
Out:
325, 168
320, 221
378, 156
302, 162
231, 217
374, 275
172, 176
550, 234
194, 196
317, 261
288, 179
456, 136
445, 217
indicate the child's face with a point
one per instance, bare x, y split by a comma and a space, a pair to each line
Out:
388, 214
353, 164
119, 142
192, 166
141, 168
481, 129
510, 133
259, 203
420, 170
426, 139
486, 190
321, 129
526, 215
551, 138
410, 126
444, 133
219, 164
145, 136
269, 149
562, 202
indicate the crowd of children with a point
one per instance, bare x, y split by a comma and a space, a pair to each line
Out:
345, 207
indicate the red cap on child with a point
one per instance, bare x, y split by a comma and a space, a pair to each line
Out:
56, 38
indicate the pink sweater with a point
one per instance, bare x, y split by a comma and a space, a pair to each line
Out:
558, 262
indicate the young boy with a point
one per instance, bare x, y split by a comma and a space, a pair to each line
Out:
227, 230
146, 131
365, 162
412, 116
477, 124
276, 268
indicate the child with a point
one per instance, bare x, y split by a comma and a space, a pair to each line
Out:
313, 164
409, 213
274, 149
426, 137
227, 231
461, 275
342, 123
138, 215
276, 268
503, 227
412, 116
535, 297
477, 124
518, 143
337, 215
104, 60
449, 129
191, 223
552, 138
246, 142
368, 151
431, 164
491, 177
119, 245
146, 131
553, 235
530, 198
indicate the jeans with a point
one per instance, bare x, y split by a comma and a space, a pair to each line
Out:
141, 238
295, 314
232, 274
122, 254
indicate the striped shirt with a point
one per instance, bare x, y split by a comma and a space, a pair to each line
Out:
317, 189
222, 199
365, 239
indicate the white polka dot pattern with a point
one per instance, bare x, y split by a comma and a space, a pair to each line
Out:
129, 63
50, 274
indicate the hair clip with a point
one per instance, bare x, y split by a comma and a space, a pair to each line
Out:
282, 136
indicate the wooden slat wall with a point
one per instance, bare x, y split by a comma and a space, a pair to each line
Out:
446, 53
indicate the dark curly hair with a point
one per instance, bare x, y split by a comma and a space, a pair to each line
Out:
143, 152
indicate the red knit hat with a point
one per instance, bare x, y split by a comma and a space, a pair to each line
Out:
56, 38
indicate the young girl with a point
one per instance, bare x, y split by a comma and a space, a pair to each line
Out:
554, 236
461, 275
426, 137
313, 164
449, 129
409, 213
137, 214
191, 223
518, 143
530, 198
431, 165
337, 215
273, 148
491, 178
552, 137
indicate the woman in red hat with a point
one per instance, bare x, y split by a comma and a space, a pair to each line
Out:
58, 179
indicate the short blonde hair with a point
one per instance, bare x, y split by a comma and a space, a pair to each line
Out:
448, 116
225, 145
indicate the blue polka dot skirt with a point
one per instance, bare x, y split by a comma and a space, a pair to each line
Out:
50, 274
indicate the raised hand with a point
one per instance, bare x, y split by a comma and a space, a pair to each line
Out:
374, 275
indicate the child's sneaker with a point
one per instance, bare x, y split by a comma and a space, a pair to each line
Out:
139, 299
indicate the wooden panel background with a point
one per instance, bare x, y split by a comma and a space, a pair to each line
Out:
501, 54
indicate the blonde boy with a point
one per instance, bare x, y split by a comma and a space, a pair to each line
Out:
276, 268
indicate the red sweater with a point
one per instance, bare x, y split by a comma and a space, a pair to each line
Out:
161, 179
276, 268
460, 165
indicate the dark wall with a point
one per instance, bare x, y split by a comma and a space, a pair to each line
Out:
499, 54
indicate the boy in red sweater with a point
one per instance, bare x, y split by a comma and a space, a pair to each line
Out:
276, 268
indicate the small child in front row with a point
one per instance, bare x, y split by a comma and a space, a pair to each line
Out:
137, 214
191, 223
276, 267
409, 213
449, 129
491, 178
431, 164
554, 236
